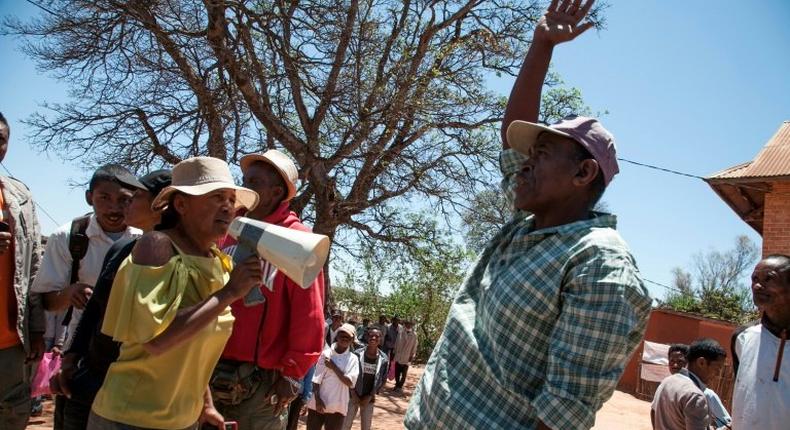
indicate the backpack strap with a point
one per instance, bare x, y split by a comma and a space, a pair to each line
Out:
78, 244
78, 248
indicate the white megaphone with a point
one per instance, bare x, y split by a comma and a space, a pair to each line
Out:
298, 254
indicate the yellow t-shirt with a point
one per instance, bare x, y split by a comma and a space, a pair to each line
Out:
164, 391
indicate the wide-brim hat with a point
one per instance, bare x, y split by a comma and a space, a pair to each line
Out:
197, 176
281, 162
587, 132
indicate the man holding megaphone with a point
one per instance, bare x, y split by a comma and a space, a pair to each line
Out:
279, 336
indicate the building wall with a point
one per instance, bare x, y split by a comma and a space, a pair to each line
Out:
667, 327
776, 220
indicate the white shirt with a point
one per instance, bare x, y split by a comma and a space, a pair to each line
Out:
333, 392
757, 401
55, 271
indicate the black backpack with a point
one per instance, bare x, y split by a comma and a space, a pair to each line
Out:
78, 248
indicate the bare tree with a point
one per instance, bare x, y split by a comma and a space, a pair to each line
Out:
715, 287
382, 103
725, 270
683, 281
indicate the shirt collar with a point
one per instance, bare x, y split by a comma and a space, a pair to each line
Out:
334, 351
694, 378
94, 230
279, 214
598, 220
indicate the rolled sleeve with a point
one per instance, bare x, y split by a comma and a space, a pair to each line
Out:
352, 371
604, 314
53, 274
37, 320
510, 163
320, 368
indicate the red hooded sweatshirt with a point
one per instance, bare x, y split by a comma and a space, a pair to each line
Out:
288, 329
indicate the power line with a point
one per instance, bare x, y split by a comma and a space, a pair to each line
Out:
662, 285
689, 175
662, 169
37, 203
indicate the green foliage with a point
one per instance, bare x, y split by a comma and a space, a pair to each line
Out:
487, 213
716, 289
728, 306
421, 281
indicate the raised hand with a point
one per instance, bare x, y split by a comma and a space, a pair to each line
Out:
562, 22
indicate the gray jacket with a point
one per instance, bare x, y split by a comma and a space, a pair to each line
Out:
27, 258
382, 367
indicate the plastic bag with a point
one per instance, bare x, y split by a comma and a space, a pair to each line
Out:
49, 366
391, 373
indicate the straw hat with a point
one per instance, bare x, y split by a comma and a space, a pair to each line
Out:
201, 175
281, 162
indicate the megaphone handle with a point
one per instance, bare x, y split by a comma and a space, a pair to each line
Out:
241, 253
254, 297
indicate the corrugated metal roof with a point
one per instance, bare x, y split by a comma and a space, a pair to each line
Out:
731, 172
772, 161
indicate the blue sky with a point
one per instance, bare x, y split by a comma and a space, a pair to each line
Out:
694, 86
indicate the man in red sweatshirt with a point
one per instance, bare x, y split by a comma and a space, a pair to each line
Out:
275, 343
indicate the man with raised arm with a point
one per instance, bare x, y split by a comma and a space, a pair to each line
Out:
539, 333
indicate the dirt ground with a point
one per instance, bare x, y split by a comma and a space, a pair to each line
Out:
621, 412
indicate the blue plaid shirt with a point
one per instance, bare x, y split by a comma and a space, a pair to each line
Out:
541, 329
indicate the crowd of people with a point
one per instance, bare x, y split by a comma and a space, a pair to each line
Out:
146, 305
149, 316
356, 368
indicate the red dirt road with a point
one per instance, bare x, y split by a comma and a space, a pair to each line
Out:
621, 412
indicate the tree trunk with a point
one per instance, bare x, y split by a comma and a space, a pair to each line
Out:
327, 229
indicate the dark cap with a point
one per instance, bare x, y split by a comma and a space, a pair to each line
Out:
156, 181
126, 179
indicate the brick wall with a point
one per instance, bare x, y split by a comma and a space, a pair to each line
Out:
776, 220
665, 326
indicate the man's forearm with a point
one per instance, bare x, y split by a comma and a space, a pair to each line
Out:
524, 101
37, 320
317, 392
